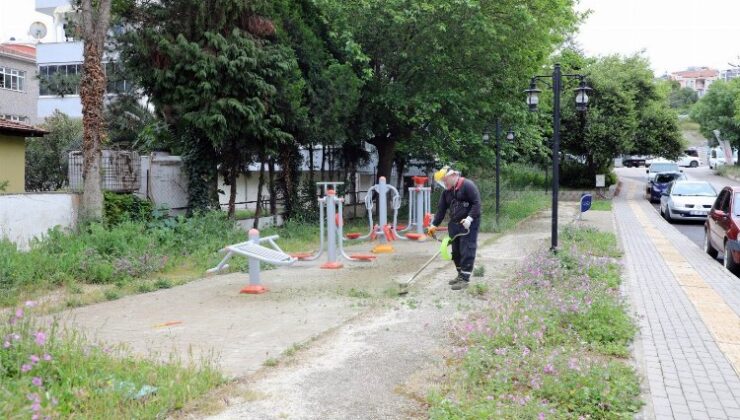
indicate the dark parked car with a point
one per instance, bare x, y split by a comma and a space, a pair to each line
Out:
660, 183
722, 227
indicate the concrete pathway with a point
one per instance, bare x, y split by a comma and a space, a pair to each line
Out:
688, 306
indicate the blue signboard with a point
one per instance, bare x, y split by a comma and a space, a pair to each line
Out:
585, 202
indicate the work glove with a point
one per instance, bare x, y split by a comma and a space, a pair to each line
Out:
432, 230
466, 222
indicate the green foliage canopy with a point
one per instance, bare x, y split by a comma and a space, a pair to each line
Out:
719, 109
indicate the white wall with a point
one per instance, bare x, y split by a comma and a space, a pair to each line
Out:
26, 216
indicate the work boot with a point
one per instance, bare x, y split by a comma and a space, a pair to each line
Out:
461, 284
455, 280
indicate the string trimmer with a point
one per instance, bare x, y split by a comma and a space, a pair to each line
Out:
445, 243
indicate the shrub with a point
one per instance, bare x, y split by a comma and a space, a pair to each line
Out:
118, 208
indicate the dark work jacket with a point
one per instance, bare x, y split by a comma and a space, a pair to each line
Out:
463, 200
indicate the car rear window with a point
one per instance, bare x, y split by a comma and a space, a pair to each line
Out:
665, 178
736, 206
663, 167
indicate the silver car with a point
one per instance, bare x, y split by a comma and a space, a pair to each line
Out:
687, 200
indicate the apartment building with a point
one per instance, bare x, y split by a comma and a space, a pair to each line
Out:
697, 78
19, 87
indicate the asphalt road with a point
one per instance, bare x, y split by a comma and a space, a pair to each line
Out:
694, 231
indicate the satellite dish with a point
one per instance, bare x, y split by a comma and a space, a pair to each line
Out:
37, 30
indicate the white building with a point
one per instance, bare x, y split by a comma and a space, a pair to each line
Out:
61, 55
730, 74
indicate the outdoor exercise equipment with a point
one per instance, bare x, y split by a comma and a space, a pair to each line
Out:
383, 230
255, 252
331, 210
446, 242
420, 209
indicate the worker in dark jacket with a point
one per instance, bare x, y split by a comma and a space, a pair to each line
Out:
462, 198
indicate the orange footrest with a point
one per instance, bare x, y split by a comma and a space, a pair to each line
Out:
353, 235
400, 227
301, 255
253, 289
332, 265
363, 257
414, 236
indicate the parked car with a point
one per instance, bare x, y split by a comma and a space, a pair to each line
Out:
689, 161
661, 182
687, 200
691, 151
717, 157
634, 161
657, 167
722, 227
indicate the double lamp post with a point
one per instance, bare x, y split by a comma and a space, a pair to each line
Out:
533, 100
486, 140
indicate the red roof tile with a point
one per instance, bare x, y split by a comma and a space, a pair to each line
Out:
693, 74
16, 128
20, 50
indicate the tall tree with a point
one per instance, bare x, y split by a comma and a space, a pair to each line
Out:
719, 110
439, 70
215, 70
95, 22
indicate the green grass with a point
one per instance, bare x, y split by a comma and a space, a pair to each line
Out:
601, 205
551, 344
52, 372
242, 214
729, 171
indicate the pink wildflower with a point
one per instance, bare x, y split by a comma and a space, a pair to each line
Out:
26, 367
19, 313
36, 407
34, 359
525, 352
541, 416
6, 344
37, 381
47, 357
30, 303
573, 364
40, 338
489, 398
549, 368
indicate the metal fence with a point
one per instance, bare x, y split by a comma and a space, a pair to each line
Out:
120, 170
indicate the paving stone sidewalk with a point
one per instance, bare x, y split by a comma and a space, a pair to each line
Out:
687, 374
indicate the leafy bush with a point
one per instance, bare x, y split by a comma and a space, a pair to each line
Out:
118, 208
47, 372
47, 157
545, 346
577, 175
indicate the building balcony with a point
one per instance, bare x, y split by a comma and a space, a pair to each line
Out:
48, 7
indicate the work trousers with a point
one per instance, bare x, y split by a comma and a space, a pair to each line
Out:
464, 247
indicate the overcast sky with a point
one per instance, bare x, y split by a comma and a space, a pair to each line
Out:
674, 33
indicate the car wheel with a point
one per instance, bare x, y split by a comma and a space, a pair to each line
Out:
662, 213
668, 216
708, 248
694, 164
729, 263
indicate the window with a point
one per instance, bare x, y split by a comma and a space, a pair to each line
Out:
721, 198
12, 79
18, 118
65, 78
60, 79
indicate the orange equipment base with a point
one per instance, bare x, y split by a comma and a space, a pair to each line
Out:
332, 265
353, 235
363, 257
253, 289
301, 255
400, 227
382, 249
415, 236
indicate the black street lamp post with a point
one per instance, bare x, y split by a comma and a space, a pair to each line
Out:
486, 139
581, 104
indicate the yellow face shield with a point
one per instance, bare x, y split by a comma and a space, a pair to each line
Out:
439, 176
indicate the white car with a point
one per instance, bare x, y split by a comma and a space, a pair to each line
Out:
687, 200
717, 157
688, 161
658, 166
